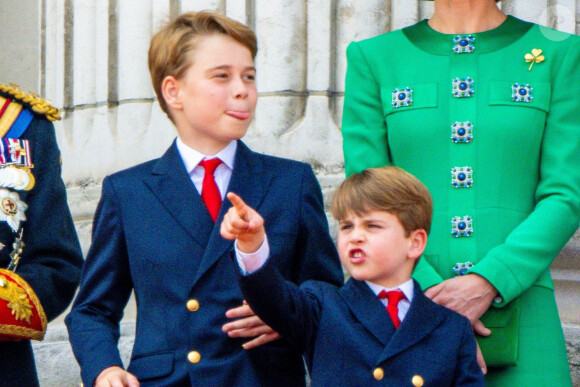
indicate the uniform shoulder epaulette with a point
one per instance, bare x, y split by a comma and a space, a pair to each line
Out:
31, 100
18, 107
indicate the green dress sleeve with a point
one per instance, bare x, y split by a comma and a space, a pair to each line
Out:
364, 133
530, 248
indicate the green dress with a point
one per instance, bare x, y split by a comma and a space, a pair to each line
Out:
496, 139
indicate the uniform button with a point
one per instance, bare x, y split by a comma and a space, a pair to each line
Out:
417, 381
194, 357
378, 373
192, 305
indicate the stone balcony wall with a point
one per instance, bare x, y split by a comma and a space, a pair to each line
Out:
93, 63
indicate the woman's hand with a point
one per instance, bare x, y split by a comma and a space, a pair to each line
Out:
470, 295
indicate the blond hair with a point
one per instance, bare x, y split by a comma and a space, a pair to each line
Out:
171, 46
387, 189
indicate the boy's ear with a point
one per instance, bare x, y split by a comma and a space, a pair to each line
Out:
170, 90
418, 240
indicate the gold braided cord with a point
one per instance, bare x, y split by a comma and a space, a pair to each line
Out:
18, 331
38, 105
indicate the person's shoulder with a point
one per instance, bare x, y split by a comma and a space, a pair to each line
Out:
279, 161
386, 39
19, 110
550, 39
135, 172
285, 166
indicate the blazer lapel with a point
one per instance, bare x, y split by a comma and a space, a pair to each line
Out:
171, 184
422, 318
250, 181
368, 309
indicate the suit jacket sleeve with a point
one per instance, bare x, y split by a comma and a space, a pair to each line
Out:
52, 259
315, 257
528, 251
291, 311
106, 285
467, 371
364, 133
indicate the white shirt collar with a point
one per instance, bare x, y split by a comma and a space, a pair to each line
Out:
191, 158
406, 287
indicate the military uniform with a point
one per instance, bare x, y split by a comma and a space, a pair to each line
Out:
489, 122
40, 255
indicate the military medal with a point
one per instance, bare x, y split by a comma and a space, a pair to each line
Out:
15, 165
12, 209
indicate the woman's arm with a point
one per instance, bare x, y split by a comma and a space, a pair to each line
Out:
364, 132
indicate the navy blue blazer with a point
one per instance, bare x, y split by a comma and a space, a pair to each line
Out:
153, 234
51, 259
349, 339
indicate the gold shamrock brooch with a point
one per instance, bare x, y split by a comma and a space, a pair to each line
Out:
535, 57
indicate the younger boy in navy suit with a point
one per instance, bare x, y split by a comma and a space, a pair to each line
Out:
351, 334
155, 229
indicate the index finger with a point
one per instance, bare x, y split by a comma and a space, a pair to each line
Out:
238, 203
240, 311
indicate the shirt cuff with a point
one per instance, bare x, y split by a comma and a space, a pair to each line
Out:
252, 262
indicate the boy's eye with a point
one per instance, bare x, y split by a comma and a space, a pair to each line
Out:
372, 225
221, 75
250, 77
343, 227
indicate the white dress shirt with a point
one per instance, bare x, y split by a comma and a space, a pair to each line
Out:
223, 173
407, 288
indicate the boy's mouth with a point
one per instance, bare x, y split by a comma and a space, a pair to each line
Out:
356, 256
238, 114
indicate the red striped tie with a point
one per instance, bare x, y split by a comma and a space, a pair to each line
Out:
210, 193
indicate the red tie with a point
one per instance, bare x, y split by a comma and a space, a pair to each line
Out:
210, 194
393, 297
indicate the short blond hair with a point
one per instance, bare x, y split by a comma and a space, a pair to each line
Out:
170, 47
387, 189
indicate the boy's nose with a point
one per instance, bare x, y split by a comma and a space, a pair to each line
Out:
240, 88
357, 235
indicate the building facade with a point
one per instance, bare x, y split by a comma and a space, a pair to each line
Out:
90, 58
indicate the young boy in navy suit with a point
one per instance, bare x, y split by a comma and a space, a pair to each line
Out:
378, 327
155, 229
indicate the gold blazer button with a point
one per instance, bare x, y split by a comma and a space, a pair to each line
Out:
417, 381
194, 357
378, 373
192, 305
